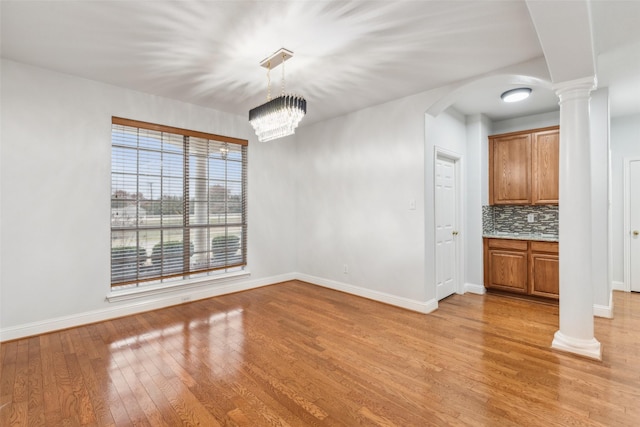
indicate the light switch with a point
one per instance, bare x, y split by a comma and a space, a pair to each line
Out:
412, 204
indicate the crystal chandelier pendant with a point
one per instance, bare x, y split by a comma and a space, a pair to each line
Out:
280, 116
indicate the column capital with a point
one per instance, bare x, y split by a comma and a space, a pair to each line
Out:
576, 88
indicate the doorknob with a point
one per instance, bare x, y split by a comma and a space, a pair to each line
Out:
635, 233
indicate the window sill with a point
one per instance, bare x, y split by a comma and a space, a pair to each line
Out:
182, 285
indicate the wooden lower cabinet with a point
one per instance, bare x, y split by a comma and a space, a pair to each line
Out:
506, 265
544, 269
522, 266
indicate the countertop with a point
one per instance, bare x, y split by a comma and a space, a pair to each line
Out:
523, 236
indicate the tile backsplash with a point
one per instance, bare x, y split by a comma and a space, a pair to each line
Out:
513, 219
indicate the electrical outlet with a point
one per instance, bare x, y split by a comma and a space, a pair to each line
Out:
345, 269
531, 217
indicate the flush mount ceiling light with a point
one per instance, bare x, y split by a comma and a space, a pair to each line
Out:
280, 116
515, 95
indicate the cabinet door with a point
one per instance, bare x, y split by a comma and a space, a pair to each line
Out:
510, 170
545, 165
507, 270
545, 275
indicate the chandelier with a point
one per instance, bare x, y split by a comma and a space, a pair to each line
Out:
280, 116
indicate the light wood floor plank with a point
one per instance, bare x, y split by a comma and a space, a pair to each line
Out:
294, 354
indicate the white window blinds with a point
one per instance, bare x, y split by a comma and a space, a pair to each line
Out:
178, 203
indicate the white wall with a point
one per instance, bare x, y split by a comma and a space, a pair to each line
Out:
599, 120
625, 142
533, 121
55, 198
357, 175
477, 195
337, 193
447, 133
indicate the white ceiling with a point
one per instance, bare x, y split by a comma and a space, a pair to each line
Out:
348, 54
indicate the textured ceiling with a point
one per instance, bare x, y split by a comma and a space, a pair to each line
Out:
348, 54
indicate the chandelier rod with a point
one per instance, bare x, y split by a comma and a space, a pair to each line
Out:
269, 81
283, 59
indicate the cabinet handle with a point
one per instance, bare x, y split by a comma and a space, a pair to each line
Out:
455, 233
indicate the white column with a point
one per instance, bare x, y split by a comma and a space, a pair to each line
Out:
576, 290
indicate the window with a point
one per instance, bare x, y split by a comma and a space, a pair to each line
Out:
178, 203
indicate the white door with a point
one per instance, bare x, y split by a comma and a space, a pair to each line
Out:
634, 224
446, 227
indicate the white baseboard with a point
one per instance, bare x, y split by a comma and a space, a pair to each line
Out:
409, 304
180, 296
617, 286
134, 307
475, 288
605, 311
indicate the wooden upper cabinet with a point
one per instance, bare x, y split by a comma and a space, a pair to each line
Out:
510, 170
545, 161
524, 167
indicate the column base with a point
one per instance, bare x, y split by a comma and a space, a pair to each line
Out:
587, 348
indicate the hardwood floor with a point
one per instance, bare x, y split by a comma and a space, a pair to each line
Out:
294, 354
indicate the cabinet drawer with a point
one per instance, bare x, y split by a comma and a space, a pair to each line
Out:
548, 247
519, 245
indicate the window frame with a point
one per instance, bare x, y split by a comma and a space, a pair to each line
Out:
194, 144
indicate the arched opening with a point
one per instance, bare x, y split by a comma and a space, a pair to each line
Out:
460, 121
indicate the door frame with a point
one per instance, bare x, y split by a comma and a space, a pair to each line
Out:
457, 159
627, 222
